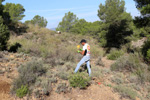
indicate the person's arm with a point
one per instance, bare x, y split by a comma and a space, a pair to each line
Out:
82, 52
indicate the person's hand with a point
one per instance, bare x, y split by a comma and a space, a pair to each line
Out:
81, 49
78, 51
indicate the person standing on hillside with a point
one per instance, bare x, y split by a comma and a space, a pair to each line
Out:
86, 56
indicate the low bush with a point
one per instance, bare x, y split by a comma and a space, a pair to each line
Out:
96, 72
80, 80
63, 75
97, 51
126, 92
99, 62
131, 63
62, 72
133, 78
46, 86
62, 87
117, 80
28, 74
115, 54
21, 92
42, 84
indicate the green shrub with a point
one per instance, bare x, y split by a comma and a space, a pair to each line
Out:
148, 55
21, 92
80, 80
115, 54
126, 92
28, 73
145, 48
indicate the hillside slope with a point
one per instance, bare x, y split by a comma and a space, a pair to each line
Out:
43, 50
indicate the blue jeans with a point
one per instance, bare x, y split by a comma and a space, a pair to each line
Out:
83, 60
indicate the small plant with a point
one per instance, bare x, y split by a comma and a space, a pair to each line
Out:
80, 80
21, 92
126, 92
62, 87
115, 54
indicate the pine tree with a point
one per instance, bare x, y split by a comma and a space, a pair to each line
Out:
67, 23
116, 23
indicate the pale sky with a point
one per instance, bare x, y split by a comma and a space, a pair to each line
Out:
54, 10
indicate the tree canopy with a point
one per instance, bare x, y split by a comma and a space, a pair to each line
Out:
116, 23
16, 11
83, 27
143, 6
4, 33
38, 20
67, 22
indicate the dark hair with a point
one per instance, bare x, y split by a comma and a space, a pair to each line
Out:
83, 40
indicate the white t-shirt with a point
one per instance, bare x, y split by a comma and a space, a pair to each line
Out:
86, 48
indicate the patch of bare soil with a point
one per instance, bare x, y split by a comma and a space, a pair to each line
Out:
94, 92
4, 90
4, 86
107, 62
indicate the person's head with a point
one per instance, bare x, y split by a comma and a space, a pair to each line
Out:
83, 42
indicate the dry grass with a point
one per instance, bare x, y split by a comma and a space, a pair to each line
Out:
52, 46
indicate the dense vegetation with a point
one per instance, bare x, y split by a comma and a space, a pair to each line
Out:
4, 32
